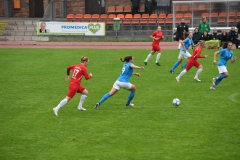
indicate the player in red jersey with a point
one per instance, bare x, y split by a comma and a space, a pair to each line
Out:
157, 36
79, 71
193, 62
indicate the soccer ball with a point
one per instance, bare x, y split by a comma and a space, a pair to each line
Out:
176, 102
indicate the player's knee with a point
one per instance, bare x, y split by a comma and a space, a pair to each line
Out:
133, 88
226, 74
85, 92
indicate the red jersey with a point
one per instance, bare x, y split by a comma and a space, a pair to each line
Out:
157, 34
196, 54
79, 71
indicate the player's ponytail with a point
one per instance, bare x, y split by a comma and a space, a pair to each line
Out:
126, 59
84, 59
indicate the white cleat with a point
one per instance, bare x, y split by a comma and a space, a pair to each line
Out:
130, 105
55, 110
197, 79
177, 79
81, 109
212, 88
214, 81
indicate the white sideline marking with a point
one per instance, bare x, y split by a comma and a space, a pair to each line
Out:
232, 97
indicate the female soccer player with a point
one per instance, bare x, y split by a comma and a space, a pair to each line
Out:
225, 55
186, 43
123, 81
157, 36
193, 62
79, 71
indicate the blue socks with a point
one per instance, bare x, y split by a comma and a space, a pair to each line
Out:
175, 65
184, 66
105, 97
219, 78
130, 97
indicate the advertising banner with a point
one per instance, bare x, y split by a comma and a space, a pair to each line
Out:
71, 28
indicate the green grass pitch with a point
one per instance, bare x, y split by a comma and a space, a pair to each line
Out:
206, 125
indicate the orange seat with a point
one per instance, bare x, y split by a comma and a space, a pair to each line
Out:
214, 15
187, 15
222, 14
161, 21
178, 21
95, 16
70, 18
185, 8
205, 15
135, 21
127, 21
178, 8
179, 15
128, 16
170, 16
103, 17
111, 16
153, 16
238, 14
145, 16
119, 9
110, 21
187, 21
111, 9
232, 14
221, 21
121, 16
231, 20
143, 21
162, 16
87, 16
78, 16
152, 21
168, 21
127, 9
137, 16
202, 7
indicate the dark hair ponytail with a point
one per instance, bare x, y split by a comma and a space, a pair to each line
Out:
126, 59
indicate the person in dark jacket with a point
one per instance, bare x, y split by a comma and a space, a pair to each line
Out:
196, 36
223, 37
233, 37
205, 36
215, 35
135, 6
182, 27
148, 6
238, 27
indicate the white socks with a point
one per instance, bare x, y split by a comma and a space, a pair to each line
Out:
62, 103
158, 57
148, 57
82, 99
179, 44
198, 72
182, 73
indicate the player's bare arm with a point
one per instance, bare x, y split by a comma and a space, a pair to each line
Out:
215, 57
137, 67
234, 59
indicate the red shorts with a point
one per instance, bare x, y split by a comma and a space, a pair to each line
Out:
191, 64
73, 89
156, 47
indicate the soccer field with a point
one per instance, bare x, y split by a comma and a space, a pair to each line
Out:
206, 125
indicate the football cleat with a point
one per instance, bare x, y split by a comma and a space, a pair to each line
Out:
145, 63
97, 106
130, 105
81, 109
171, 71
214, 81
55, 110
197, 79
212, 88
177, 79
157, 63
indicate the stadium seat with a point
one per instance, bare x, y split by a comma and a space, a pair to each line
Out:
78, 17
135, 21
128, 16
137, 16
119, 9
95, 17
143, 21
127, 9
111, 9
222, 15
153, 17
86, 18
238, 14
70, 18
232, 14
162, 16
161, 21
184, 8
103, 17
121, 16
214, 15
205, 15
187, 15
178, 8
178, 21
170, 16
168, 21
109, 21
231, 20
179, 15
202, 7
152, 21
187, 21
127, 21
221, 21
111, 16
145, 16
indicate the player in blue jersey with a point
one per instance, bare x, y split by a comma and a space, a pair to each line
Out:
183, 51
225, 55
123, 81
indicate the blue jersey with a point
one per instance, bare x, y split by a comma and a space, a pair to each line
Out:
126, 72
187, 42
225, 55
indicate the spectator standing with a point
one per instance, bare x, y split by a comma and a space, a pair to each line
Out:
204, 26
238, 27
196, 36
148, 4
135, 6
233, 37
180, 29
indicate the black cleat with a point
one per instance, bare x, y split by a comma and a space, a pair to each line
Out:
97, 106
157, 63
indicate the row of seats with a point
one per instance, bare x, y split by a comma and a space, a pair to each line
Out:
195, 7
124, 9
222, 15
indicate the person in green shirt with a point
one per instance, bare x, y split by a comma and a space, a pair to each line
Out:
204, 26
